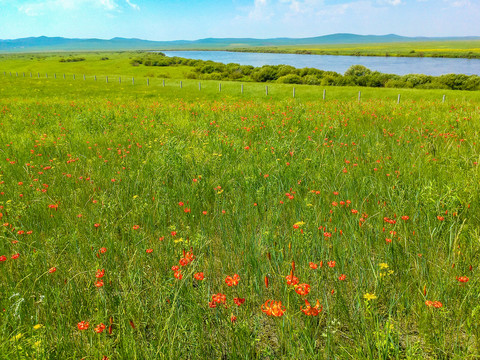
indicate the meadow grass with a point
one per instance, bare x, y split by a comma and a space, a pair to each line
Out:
373, 204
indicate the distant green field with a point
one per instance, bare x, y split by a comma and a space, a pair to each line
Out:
449, 49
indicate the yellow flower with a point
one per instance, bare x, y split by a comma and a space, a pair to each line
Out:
299, 223
383, 266
369, 297
37, 343
38, 326
178, 240
17, 337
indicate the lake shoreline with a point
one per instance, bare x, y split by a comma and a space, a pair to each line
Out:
431, 66
473, 56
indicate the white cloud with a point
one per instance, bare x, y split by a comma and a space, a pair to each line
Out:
132, 5
461, 3
392, 2
258, 11
37, 8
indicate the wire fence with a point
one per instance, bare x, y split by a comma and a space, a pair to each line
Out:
144, 81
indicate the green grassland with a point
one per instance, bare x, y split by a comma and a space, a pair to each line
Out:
114, 64
372, 204
448, 49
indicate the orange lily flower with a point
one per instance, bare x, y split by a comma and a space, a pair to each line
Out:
273, 308
311, 311
232, 280
302, 289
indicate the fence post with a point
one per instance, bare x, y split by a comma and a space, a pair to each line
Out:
294, 93
219, 87
106, 79
133, 81
38, 74
23, 74
242, 89
324, 94
63, 76
95, 76
359, 96
443, 100
119, 79
266, 89
181, 84
46, 75
398, 100
83, 76
148, 82
55, 75
73, 76
17, 73
31, 74
163, 82
199, 86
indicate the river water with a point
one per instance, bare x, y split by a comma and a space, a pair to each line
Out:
339, 64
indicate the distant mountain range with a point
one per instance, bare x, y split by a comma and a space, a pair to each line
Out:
44, 43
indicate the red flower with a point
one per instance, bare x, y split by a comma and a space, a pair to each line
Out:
136, 227
100, 327
291, 280
331, 263
312, 265
52, 270
273, 308
183, 262
99, 274
436, 304
175, 268
178, 275
15, 256
83, 325
232, 281
233, 318
302, 289
99, 283
173, 233
148, 251
217, 299
103, 250
180, 203
96, 225
239, 301
3, 258
441, 218
342, 277
463, 279
311, 311
405, 217
199, 276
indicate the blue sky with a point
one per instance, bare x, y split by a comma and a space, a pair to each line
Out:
196, 19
